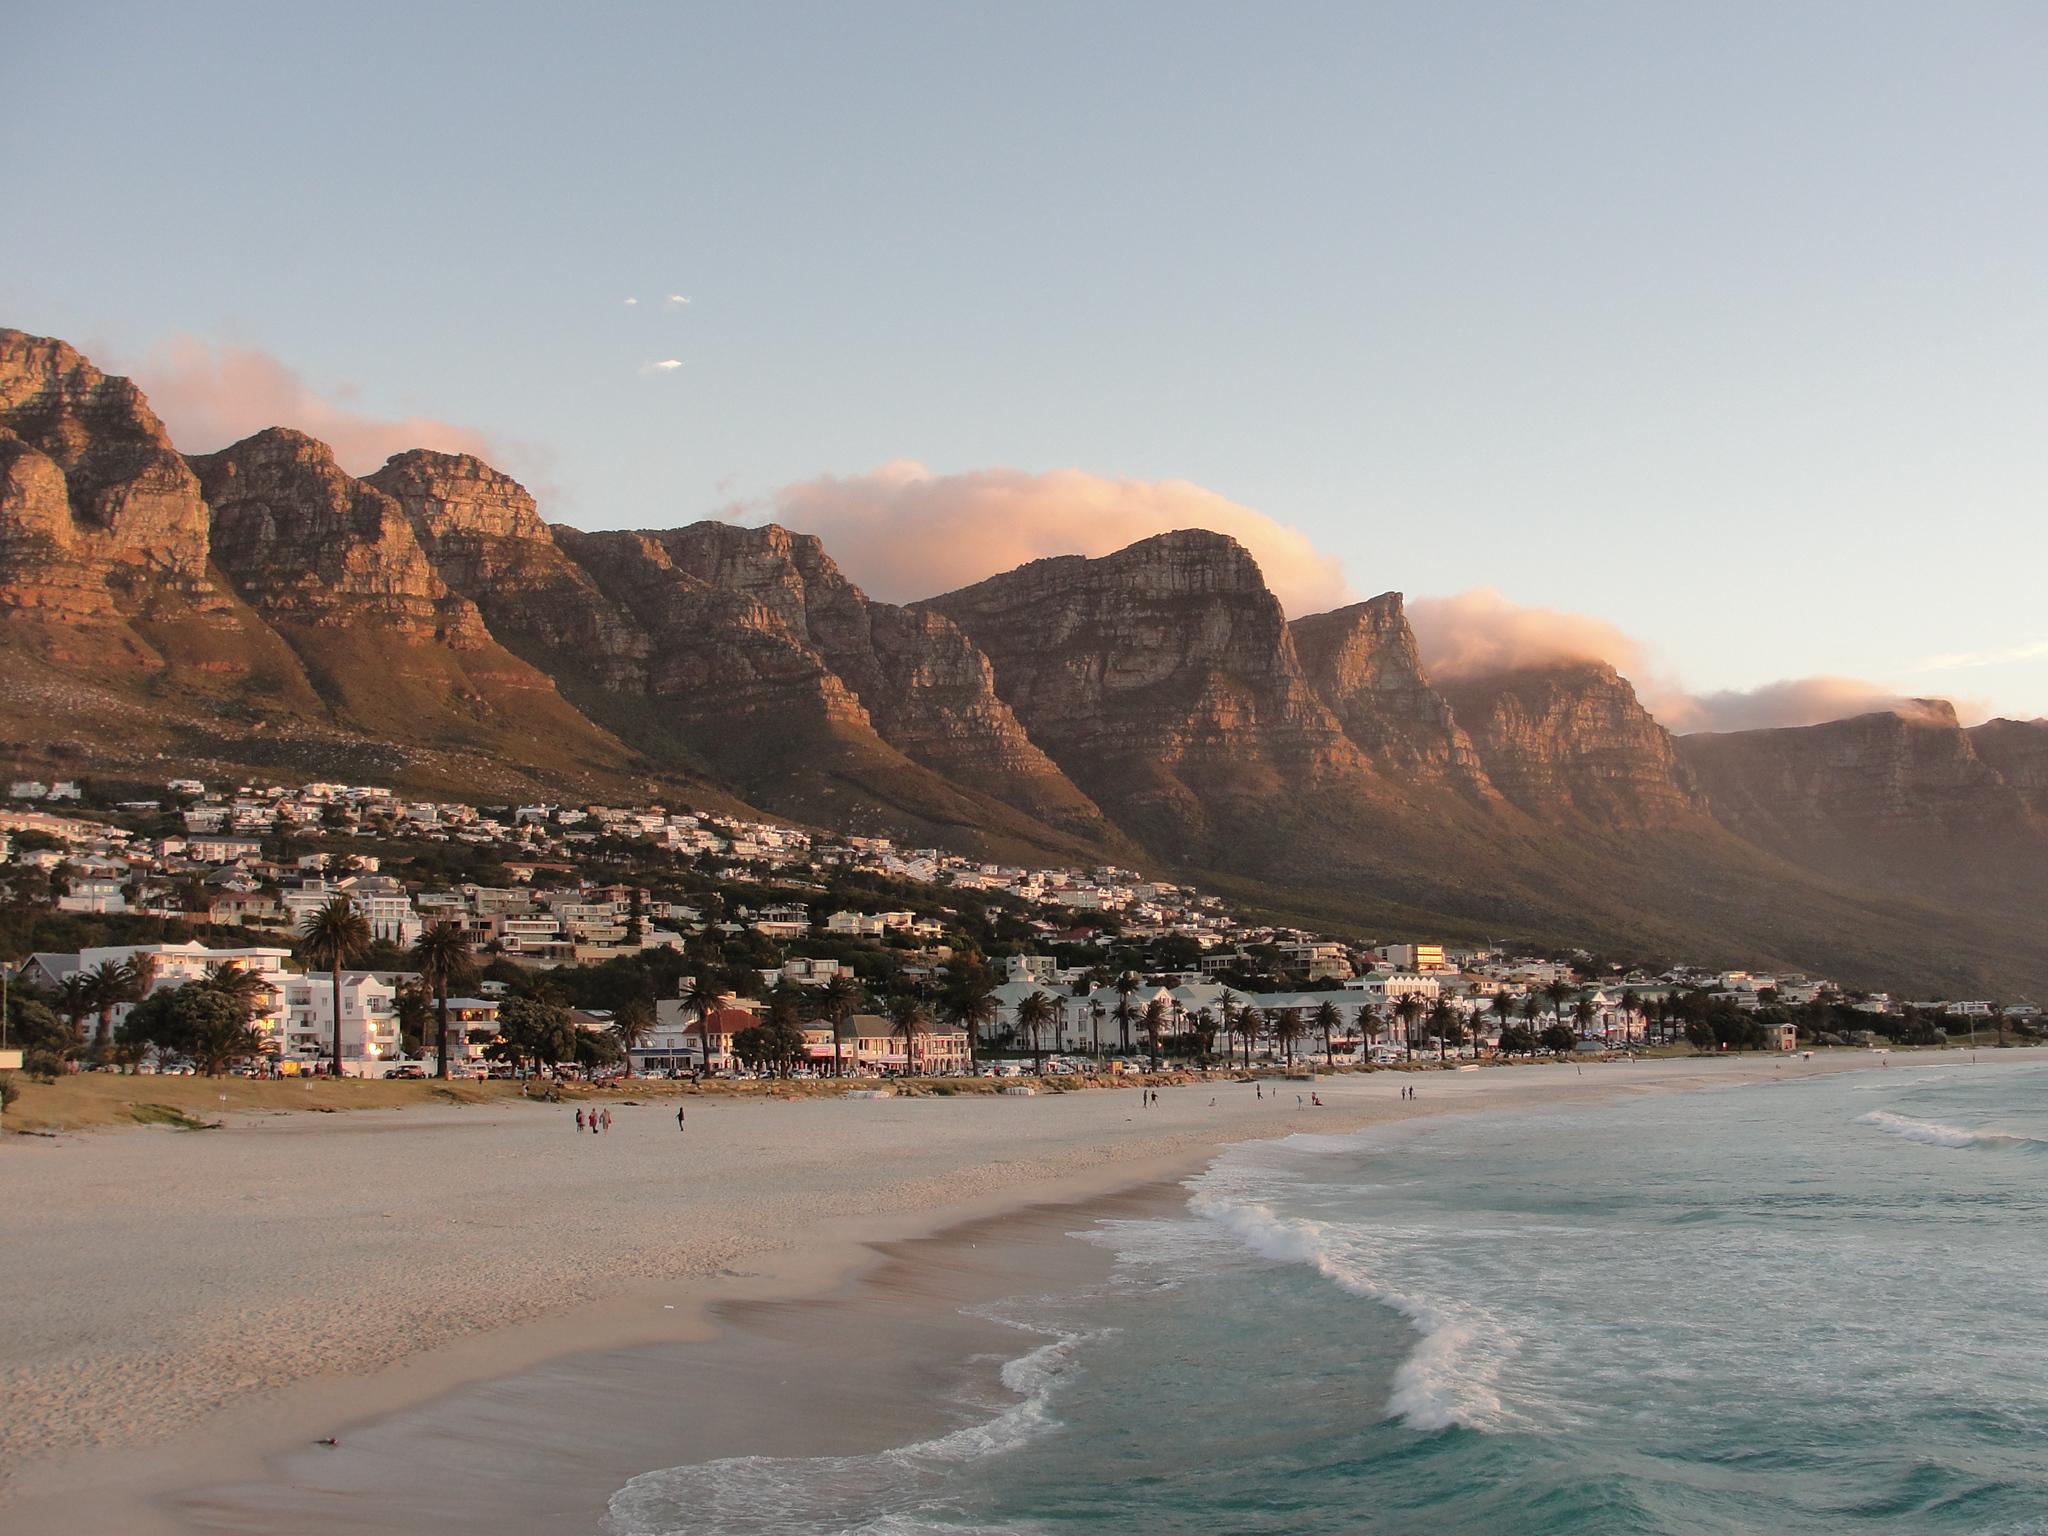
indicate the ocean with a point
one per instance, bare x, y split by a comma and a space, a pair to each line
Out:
1816, 1305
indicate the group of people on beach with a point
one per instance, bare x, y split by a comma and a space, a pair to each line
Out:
597, 1122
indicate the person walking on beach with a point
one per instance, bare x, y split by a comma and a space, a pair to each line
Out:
679, 1117
607, 1118
579, 1120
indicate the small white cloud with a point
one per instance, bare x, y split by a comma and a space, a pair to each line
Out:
677, 298
1955, 661
632, 301
666, 365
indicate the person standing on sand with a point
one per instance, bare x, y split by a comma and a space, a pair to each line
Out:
579, 1120
607, 1119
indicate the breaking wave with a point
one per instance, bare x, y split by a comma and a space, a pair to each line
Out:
893, 1491
1933, 1133
1449, 1378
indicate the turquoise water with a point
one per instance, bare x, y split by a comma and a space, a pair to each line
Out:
1817, 1305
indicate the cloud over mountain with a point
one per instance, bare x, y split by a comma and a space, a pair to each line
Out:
210, 396
904, 532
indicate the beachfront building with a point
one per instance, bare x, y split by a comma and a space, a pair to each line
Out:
174, 965
677, 1043
369, 1021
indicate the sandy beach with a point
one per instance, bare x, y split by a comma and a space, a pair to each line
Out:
186, 1311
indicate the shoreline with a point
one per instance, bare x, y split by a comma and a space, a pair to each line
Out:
134, 1482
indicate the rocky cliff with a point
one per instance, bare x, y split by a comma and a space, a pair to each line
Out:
1364, 663
486, 541
1573, 742
1877, 776
2017, 750
1162, 680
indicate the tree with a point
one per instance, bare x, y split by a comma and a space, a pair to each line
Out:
200, 1020
1582, 1015
595, 1049
1699, 1034
442, 957
75, 1001
702, 998
1327, 1019
842, 997
973, 1008
331, 937
631, 1027
1442, 1018
415, 1007
1033, 1012
1559, 1039
533, 1029
1155, 1021
1557, 991
1517, 1039
911, 1017
774, 1044
1284, 1025
1126, 983
1202, 1028
1409, 1010
109, 984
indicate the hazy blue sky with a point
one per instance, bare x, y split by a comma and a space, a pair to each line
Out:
1725, 323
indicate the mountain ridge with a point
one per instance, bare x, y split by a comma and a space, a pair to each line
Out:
259, 608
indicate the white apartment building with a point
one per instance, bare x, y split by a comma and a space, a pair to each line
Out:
369, 1020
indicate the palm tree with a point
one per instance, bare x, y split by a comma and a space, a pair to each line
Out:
1096, 1014
632, 1027
441, 956
1408, 1010
973, 1010
1327, 1019
245, 989
1126, 984
842, 997
1032, 1015
330, 938
1155, 1020
1441, 1017
111, 984
1557, 991
1285, 1026
911, 1016
75, 1001
702, 997
1582, 1014
1203, 1027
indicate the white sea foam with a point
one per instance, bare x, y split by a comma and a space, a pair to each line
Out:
1935, 1134
1453, 1373
890, 1490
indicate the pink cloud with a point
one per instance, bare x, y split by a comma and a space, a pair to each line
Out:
903, 532
1806, 701
1481, 632
210, 396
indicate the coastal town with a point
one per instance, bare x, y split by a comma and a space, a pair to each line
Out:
657, 941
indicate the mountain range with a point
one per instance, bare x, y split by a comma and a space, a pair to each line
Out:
260, 610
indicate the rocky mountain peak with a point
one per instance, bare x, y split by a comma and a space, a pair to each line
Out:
1364, 662
1573, 739
129, 501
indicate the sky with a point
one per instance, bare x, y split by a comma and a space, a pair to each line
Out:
1708, 340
